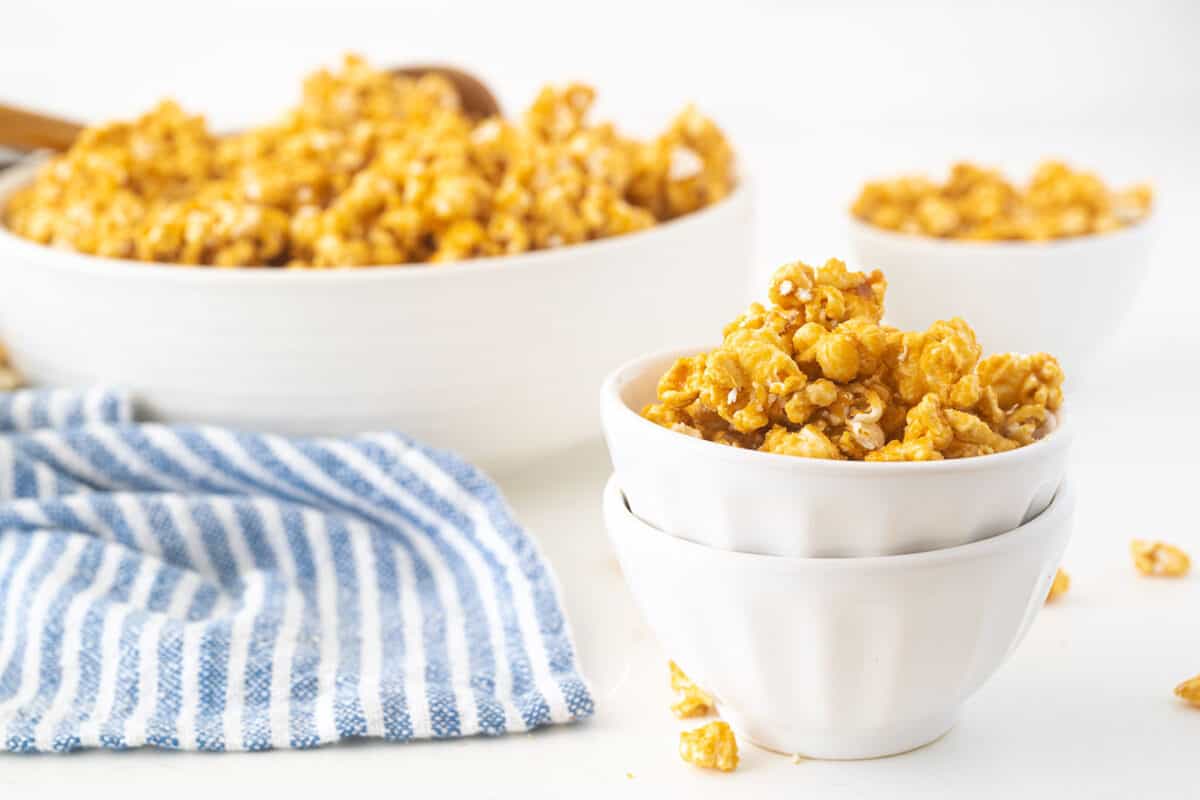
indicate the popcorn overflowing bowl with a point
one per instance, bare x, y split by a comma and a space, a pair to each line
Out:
1059, 276
754, 502
840, 658
567, 240
482, 357
759, 446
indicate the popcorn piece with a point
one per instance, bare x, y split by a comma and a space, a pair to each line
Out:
808, 442
816, 375
369, 169
976, 203
1189, 691
712, 746
1159, 559
1060, 586
9, 378
829, 294
935, 360
693, 701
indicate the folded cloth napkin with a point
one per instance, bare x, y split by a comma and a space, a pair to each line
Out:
199, 589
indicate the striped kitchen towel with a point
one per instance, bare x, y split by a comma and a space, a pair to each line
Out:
200, 589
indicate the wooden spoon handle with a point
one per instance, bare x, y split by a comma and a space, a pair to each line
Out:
477, 99
28, 130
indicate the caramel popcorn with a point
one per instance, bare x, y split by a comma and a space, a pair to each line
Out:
1060, 586
1189, 691
816, 374
9, 378
712, 746
980, 204
369, 169
1159, 559
693, 701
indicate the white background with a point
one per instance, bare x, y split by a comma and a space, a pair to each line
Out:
818, 97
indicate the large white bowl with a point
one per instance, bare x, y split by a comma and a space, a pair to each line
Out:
1063, 297
495, 358
840, 658
755, 502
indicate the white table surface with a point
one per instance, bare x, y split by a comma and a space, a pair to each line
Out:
1084, 708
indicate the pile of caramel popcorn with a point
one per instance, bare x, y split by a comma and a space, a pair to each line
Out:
815, 374
980, 204
369, 169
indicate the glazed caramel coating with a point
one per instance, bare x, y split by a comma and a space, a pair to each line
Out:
980, 204
369, 169
816, 375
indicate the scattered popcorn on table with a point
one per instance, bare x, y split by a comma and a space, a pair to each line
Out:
693, 701
9, 378
369, 169
1189, 691
1159, 559
712, 746
1060, 586
978, 203
817, 375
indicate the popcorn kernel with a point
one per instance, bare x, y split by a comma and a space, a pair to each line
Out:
1159, 559
693, 701
1189, 691
712, 746
1060, 586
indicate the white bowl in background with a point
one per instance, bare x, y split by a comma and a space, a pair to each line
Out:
1064, 297
840, 658
494, 358
754, 502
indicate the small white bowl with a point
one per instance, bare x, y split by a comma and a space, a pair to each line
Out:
1063, 297
490, 357
840, 658
754, 502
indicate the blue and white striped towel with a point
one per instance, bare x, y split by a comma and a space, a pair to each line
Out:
196, 588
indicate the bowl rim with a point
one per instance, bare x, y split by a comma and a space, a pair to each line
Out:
1009, 248
612, 404
22, 173
1061, 508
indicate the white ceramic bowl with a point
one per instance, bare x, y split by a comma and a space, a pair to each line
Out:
1064, 297
780, 505
495, 358
847, 657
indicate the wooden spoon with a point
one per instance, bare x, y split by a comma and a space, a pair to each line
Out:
21, 129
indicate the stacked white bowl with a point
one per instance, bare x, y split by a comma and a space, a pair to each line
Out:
834, 609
